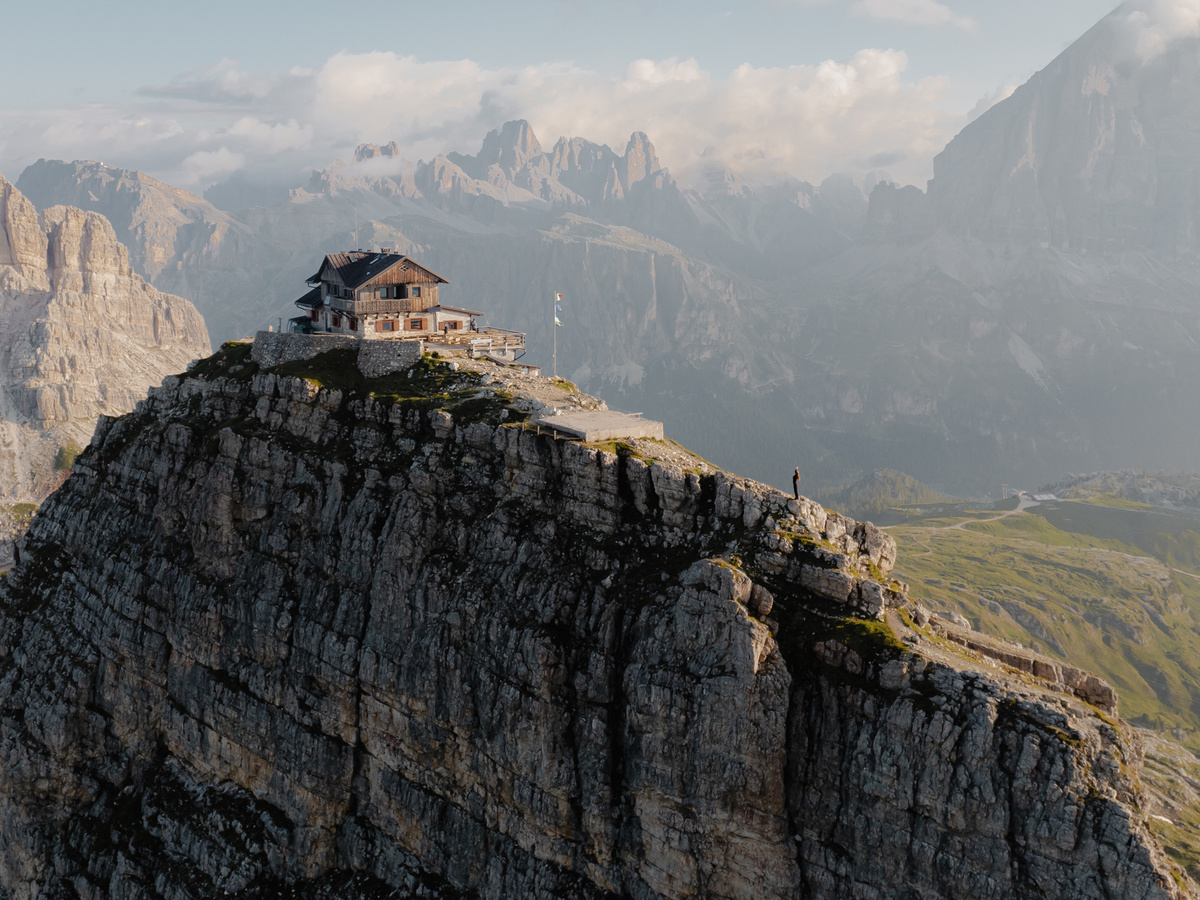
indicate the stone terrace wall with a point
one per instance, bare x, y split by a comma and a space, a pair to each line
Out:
375, 358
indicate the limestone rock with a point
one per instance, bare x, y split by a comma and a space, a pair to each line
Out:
180, 243
276, 638
82, 336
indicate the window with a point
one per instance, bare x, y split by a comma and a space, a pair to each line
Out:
414, 291
314, 315
337, 321
354, 324
416, 324
387, 325
454, 326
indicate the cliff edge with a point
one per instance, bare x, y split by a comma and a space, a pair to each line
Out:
299, 632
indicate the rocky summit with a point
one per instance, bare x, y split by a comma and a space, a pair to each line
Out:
81, 335
294, 631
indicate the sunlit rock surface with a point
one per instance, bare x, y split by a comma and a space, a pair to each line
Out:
81, 335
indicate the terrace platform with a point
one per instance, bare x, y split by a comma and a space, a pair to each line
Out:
603, 425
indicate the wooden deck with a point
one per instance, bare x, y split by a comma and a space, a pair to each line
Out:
485, 341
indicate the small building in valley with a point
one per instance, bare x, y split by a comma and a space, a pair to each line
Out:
383, 295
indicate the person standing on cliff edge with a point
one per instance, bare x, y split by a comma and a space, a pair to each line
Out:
796, 482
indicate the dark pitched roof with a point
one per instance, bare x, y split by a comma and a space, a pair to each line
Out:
357, 267
311, 299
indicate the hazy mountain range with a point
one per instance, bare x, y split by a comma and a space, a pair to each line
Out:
1033, 312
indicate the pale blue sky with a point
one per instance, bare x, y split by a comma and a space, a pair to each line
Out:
79, 81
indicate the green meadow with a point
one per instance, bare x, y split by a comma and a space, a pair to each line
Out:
1107, 584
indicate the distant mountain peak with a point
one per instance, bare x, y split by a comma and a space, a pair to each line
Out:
363, 152
1095, 151
639, 161
509, 147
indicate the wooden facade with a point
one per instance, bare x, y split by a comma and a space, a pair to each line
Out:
351, 290
364, 284
386, 296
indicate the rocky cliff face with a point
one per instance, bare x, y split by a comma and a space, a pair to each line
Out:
297, 632
1094, 153
179, 242
82, 335
1056, 250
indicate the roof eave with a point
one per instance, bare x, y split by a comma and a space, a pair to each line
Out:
427, 269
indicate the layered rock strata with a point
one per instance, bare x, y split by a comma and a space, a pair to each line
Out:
298, 632
81, 335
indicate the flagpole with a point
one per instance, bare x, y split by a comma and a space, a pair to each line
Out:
554, 329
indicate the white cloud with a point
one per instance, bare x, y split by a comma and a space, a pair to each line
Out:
648, 74
1147, 28
207, 166
989, 100
807, 121
222, 81
925, 13
271, 139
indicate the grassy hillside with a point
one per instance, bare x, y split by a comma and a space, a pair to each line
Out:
875, 496
1108, 584
1172, 779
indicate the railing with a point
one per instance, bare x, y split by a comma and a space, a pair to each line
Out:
499, 342
485, 340
377, 307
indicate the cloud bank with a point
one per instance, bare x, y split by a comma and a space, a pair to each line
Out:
203, 126
1147, 28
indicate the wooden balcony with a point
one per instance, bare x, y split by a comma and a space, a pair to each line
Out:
378, 307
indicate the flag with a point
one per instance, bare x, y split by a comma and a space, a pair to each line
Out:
557, 308
556, 322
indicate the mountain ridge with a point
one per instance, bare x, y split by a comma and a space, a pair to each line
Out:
290, 628
974, 334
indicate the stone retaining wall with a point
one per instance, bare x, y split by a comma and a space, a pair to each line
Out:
375, 358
